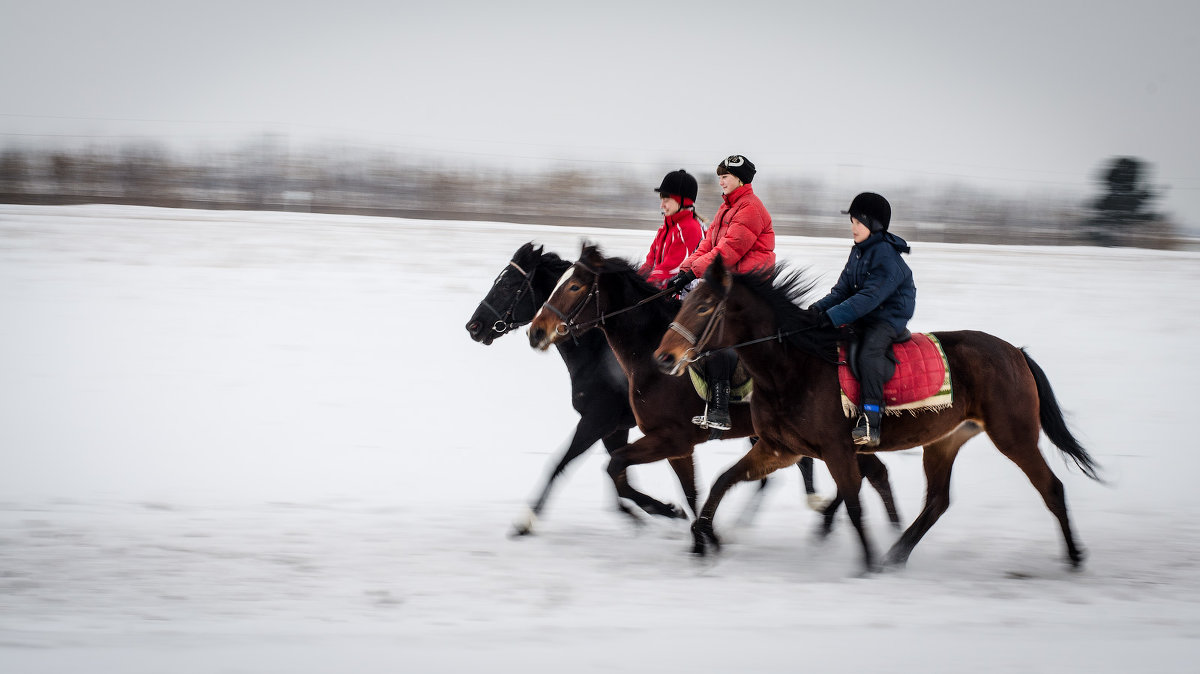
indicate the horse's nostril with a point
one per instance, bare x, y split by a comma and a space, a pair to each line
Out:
473, 327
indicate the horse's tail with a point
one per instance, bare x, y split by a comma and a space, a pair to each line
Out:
1055, 425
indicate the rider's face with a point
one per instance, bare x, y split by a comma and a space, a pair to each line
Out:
729, 182
669, 206
858, 230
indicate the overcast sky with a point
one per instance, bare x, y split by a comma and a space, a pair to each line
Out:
1025, 96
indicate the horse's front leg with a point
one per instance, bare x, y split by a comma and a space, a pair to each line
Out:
648, 449
843, 466
588, 431
762, 460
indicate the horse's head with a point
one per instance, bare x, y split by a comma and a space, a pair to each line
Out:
574, 306
698, 326
512, 300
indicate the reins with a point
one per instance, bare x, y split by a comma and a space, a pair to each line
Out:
718, 317
568, 324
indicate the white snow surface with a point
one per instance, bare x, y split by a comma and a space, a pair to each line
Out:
263, 442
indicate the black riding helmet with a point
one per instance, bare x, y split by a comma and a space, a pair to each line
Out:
872, 210
679, 183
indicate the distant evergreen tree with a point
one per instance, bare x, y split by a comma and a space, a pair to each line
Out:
1124, 207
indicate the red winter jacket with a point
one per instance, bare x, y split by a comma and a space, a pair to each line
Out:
740, 232
677, 237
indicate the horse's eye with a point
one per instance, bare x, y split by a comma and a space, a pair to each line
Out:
704, 309
574, 287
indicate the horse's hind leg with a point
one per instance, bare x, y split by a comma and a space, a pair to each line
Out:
876, 473
1019, 443
938, 459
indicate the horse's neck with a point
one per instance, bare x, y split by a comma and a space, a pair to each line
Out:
776, 366
635, 334
545, 278
583, 351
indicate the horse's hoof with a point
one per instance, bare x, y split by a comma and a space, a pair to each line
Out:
523, 526
817, 502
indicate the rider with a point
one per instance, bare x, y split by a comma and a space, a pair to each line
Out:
680, 232
742, 235
876, 293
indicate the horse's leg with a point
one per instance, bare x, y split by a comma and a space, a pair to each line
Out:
1018, 441
876, 473
647, 449
815, 501
750, 512
612, 442
685, 470
843, 467
759, 462
827, 515
938, 459
588, 430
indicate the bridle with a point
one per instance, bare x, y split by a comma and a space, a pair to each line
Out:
567, 324
506, 321
697, 350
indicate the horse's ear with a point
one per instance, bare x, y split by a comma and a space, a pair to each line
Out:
718, 276
591, 256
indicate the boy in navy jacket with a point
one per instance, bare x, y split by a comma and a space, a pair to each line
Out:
876, 294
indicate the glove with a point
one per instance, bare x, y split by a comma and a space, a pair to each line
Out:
680, 280
820, 318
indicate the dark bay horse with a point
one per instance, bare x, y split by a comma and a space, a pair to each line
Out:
797, 411
632, 314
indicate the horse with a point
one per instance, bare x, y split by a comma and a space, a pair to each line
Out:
632, 314
797, 410
599, 392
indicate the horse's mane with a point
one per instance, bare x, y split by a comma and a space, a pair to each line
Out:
784, 289
628, 269
530, 257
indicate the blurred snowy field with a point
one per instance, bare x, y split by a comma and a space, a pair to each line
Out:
259, 442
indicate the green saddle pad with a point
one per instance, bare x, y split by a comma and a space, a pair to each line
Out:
738, 393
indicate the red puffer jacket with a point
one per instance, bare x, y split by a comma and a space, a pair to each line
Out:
740, 232
677, 237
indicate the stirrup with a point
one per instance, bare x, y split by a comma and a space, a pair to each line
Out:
704, 422
864, 434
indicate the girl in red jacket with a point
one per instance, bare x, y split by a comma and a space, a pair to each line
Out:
742, 235
680, 232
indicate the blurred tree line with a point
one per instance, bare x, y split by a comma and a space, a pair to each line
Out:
267, 175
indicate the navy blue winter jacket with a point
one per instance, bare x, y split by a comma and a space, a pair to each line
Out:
876, 284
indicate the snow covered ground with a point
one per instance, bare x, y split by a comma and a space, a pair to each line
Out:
254, 442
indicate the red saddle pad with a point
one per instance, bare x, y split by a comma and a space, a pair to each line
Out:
920, 372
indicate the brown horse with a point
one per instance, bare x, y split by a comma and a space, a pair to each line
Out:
609, 294
797, 410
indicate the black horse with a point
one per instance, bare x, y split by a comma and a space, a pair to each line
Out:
599, 389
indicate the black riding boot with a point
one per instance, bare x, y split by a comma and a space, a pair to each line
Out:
716, 412
867, 430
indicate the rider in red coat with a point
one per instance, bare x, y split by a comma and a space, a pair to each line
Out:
680, 232
742, 235
741, 231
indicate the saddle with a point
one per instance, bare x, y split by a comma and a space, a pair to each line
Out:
921, 381
740, 387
